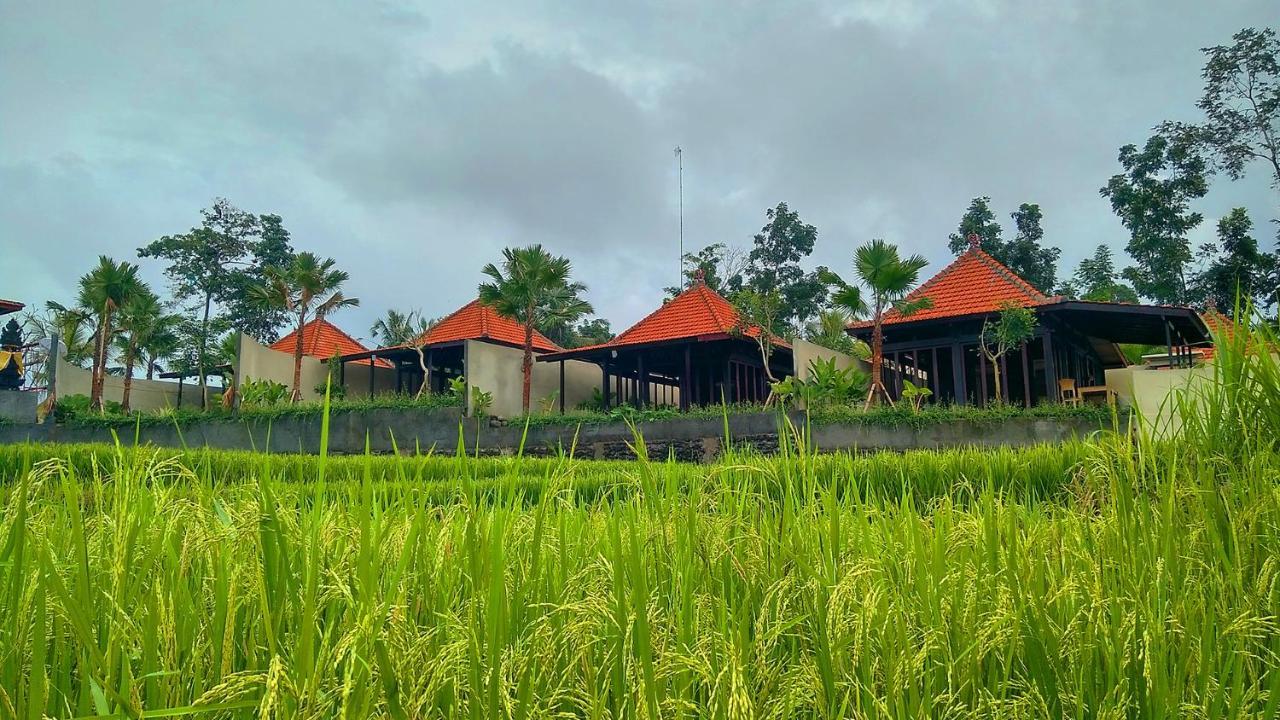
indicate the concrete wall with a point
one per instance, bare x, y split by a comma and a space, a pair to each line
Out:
804, 351
255, 361
18, 406
694, 439
356, 379
1155, 394
496, 369
143, 395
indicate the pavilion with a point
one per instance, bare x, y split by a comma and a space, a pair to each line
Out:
693, 350
10, 306
1075, 340
444, 346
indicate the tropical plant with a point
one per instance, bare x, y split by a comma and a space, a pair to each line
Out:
141, 317
481, 401
1012, 327
888, 279
914, 394
103, 291
308, 286
262, 392
400, 328
533, 288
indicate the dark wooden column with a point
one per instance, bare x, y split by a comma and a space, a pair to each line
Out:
1050, 371
1026, 375
934, 383
561, 387
957, 374
684, 379
642, 382
429, 372
982, 376
605, 390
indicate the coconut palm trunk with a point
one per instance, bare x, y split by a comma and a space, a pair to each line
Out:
97, 379
297, 357
129, 360
526, 364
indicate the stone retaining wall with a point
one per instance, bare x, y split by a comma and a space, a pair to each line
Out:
691, 439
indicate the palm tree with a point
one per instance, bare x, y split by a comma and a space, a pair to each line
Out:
71, 326
400, 328
299, 289
161, 343
102, 291
533, 288
141, 318
888, 279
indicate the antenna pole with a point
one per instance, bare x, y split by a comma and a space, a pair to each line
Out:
680, 185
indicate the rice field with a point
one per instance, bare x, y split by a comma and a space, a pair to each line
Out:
1117, 577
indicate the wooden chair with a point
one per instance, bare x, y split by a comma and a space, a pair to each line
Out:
1067, 392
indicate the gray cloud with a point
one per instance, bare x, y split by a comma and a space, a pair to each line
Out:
412, 142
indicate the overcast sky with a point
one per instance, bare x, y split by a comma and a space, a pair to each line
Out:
412, 142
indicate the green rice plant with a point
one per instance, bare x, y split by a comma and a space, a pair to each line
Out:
1115, 577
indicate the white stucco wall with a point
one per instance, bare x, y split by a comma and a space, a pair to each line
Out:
804, 351
1154, 392
144, 394
256, 361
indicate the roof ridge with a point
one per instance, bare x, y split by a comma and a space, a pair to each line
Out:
1010, 275
422, 337
341, 332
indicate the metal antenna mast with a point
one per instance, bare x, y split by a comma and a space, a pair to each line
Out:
680, 185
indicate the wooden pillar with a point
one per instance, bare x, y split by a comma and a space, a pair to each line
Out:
561, 387
934, 384
982, 376
642, 382
428, 374
1004, 378
1026, 375
1050, 370
180, 383
684, 379
957, 374
605, 390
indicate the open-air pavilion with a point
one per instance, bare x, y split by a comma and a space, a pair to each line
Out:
1075, 341
444, 347
694, 350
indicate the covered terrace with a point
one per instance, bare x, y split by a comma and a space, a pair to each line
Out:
691, 351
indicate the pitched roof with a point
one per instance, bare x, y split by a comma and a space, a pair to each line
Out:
477, 321
10, 306
321, 338
698, 312
973, 284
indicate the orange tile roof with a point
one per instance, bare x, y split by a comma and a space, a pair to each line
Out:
973, 284
321, 338
696, 313
10, 306
477, 321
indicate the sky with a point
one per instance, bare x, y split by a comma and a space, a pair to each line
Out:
413, 141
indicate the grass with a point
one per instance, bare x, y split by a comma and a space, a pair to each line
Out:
1121, 578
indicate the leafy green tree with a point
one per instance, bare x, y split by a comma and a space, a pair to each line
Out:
978, 220
758, 312
534, 288
161, 343
1152, 197
774, 264
831, 330
400, 328
1236, 266
103, 291
1096, 279
309, 286
141, 315
1241, 104
718, 266
269, 247
591, 332
1011, 328
887, 278
72, 325
1024, 254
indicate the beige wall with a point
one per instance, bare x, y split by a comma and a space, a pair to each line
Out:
256, 361
1154, 393
356, 379
496, 369
143, 395
803, 351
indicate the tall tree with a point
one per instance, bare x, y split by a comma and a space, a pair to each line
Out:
1236, 267
309, 286
774, 264
269, 247
1096, 278
103, 291
888, 278
1241, 104
534, 288
718, 266
203, 267
978, 220
1152, 197
1011, 328
1025, 255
